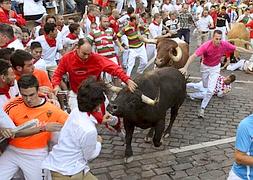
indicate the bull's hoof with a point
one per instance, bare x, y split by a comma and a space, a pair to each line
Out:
158, 144
129, 159
166, 135
147, 139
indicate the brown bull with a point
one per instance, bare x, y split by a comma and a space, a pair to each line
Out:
239, 36
171, 52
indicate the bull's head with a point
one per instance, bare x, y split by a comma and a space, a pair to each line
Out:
126, 101
168, 52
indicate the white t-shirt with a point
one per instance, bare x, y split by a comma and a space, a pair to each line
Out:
33, 8
199, 11
204, 22
168, 8
77, 144
41, 64
17, 44
49, 53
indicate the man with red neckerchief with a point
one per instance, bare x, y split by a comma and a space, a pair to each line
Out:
82, 63
114, 24
8, 16
7, 38
103, 39
72, 38
50, 45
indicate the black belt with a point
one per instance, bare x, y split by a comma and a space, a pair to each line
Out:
204, 32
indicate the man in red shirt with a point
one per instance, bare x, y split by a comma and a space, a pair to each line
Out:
8, 16
82, 63
114, 24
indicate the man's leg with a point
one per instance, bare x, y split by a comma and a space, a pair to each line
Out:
120, 5
131, 60
198, 86
31, 164
143, 59
8, 164
212, 80
235, 66
187, 35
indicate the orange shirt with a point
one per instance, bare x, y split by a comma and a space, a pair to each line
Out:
41, 76
45, 113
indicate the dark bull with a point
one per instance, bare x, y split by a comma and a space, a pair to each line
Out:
158, 90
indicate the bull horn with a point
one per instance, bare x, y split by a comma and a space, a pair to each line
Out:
113, 88
178, 56
150, 101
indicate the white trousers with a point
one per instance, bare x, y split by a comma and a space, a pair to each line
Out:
29, 161
198, 86
233, 176
151, 51
223, 30
72, 100
209, 78
132, 3
120, 4
235, 66
137, 53
107, 77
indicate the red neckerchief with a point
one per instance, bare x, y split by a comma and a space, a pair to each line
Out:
101, 28
5, 91
25, 42
144, 20
91, 18
98, 115
6, 12
50, 41
155, 23
72, 36
4, 46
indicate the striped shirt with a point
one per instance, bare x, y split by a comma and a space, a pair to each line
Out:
103, 40
132, 36
185, 20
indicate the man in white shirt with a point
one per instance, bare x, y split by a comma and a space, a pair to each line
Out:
203, 25
8, 84
36, 51
78, 142
168, 6
155, 30
7, 38
51, 45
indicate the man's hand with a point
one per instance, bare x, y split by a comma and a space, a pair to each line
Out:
131, 85
44, 90
183, 71
7, 133
107, 118
121, 49
57, 89
99, 139
53, 126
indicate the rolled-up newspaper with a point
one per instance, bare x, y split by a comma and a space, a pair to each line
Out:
26, 125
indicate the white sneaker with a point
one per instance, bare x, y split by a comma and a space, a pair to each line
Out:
201, 113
